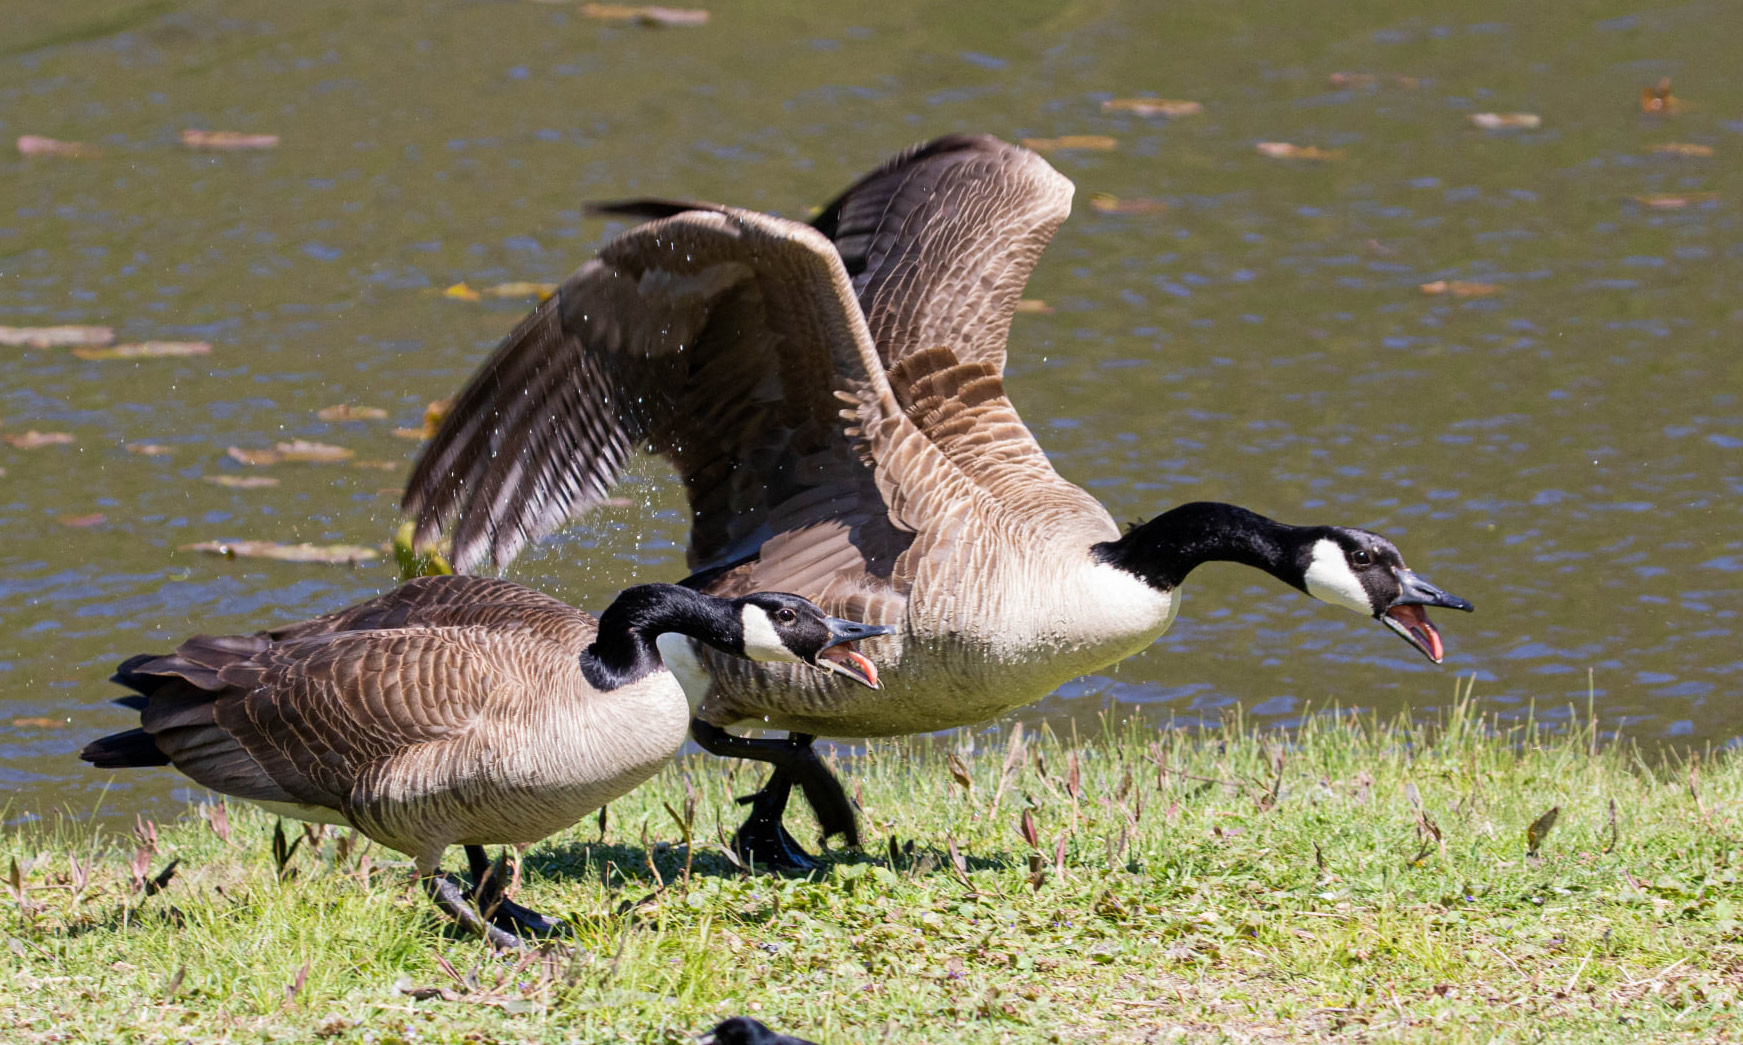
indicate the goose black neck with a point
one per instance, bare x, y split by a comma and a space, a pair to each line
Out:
1167, 548
625, 650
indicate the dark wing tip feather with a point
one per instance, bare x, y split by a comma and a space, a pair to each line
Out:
650, 209
135, 747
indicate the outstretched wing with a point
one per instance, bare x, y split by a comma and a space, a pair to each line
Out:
716, 337
940, 241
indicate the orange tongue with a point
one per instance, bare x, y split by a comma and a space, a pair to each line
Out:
1416, 619
846, 655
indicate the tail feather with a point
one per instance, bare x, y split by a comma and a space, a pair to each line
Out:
122, 750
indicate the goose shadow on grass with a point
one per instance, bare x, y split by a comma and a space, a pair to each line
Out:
628, 865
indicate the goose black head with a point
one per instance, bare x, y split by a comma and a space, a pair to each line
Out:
780, 627
1363, 571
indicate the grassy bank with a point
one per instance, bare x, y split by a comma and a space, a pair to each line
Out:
1365, 882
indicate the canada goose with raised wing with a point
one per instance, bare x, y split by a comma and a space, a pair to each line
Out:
832, 397
455, 711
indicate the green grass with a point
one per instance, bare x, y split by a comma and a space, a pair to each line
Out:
1352, 881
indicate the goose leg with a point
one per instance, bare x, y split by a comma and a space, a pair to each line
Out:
502, 913
794, 761
445, 890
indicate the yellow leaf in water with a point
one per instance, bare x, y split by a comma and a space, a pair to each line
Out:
377, 466
410, 433
81, 521
147, 350
340, 554
462, 292
195, 139
1658, 101
1459, 288
149, 449
33, 439
1035, 305
521, 290
55, 337
242, 482
1104, 203
1286, 151
1091, 142
1153, 106
1676, 202
645, 15
37, 145
1682, 149
35, 722
347, 412
301, 450
1506, 121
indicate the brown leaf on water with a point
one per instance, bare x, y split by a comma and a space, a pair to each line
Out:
1035, 306
196, 139
1687, 199
1153, 106
1286, 151
410, 433
377, 466
339, 554
299, 450
645, 15
1681, 149
520, 290
242, 482
434, 415
347, 412
1539, 830
1506, 121
147, 350
1459, 288
55, 337
1090, 142
149, 449
80, 522
461, 292
37, 145
35, 440
1106, 203
38, 722
1658, 101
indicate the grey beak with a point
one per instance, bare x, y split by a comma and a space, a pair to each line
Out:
1414, 591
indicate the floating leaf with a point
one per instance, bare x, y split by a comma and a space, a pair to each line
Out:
33, 439
1035, 305
149, 449
194, 139
434, 415
410, 433
242, 482
1286, 151
341, 554
1104, 203
347, 412
1676, 202
37, 145
39, 723
147, 350
644, 15
81, 521
301, 450
462, 292
1506, 121
1658, 101
377, 466
1091, 142
1682, 149
1459, 288
1153, 106
1539, 830
55, 337
520, 290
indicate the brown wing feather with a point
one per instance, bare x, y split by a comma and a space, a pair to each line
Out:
940, 242
718, 338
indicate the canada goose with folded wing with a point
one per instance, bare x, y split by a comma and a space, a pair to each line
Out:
455, 711
832, 397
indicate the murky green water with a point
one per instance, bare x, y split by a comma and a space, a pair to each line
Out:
1567, 452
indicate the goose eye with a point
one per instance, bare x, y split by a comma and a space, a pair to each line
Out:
1360, 557
786, 615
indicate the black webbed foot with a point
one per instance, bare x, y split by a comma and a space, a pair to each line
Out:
487, 896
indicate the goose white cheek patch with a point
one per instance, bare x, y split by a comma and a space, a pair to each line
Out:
1330, 579
761, 641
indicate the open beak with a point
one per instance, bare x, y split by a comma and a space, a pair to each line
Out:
842, 659
1409, 619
